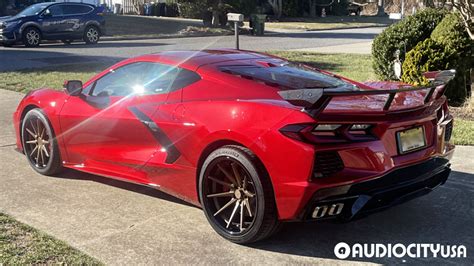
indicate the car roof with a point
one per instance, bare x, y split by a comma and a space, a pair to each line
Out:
194, 59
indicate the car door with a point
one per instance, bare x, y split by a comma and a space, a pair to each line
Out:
52, 21
74, 18
107, 129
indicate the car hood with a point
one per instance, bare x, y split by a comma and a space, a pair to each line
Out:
9, 18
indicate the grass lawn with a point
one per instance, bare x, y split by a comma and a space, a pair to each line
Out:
20, 244
329, 22
463, 132
354, 66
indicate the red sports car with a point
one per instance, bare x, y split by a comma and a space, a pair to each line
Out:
253, 139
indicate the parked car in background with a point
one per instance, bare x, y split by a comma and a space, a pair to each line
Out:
53, 21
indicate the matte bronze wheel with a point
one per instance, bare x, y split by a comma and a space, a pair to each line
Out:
236, 195
39, 144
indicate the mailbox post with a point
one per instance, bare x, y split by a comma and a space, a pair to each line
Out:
236, 18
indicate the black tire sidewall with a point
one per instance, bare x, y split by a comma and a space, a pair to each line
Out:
240, 156
55, 161
25, 41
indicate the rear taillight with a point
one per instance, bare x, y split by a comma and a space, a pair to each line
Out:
329, 133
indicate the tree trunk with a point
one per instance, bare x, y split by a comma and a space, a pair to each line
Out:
312, 8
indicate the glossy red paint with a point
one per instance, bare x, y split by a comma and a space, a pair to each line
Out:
226, 109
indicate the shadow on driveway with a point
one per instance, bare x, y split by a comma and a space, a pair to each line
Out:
442, 217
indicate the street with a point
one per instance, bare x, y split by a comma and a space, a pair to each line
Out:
121, 223
347, 40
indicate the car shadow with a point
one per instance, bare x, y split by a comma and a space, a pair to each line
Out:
442, 217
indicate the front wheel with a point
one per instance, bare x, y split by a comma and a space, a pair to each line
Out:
31, 37
39, 143
91, 35
237, 195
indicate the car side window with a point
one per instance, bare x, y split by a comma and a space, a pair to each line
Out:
76, 9
143, 78
56, 10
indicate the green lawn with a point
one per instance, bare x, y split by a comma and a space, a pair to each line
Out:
354, 66
26, 80
22, 245
463, 132
329, 22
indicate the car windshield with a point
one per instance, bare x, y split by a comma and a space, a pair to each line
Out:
291, 75
32, 10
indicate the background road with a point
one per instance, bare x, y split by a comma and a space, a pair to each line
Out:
121, 223
349, 41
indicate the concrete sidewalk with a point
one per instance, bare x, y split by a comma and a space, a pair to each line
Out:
121, 223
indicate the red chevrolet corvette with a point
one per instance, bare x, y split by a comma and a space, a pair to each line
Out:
253, 139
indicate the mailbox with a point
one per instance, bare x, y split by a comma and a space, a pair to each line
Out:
235, 17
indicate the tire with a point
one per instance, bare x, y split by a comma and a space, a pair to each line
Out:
249, 201
31, 37
39, 143
91, 35
67, 42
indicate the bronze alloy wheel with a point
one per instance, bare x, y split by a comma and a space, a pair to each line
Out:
231, 194
39, 144
237, 196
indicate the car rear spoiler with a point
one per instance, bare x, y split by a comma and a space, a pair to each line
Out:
315, 101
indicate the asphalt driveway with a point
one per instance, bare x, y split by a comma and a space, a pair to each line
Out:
120, 223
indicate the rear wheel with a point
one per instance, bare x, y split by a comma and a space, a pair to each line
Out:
91, 35
39, 143
31, 37
237, 195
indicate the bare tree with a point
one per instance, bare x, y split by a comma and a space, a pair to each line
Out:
465, 7
277, 6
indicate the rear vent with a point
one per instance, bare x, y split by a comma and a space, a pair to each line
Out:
448, 131
327, 164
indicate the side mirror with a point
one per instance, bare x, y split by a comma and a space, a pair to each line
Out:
46, 14
73, 87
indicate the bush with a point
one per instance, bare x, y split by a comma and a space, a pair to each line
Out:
429, 55
451, 33
193, 9
448, 48
290, 8
410, 30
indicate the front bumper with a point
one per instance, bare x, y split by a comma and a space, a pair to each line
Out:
7, 36
359, 199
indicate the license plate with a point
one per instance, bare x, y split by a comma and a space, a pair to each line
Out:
411, 139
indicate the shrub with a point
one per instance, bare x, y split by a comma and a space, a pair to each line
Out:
192, 9
429, 55
448, 48
290, 8
451, 33
411, 30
